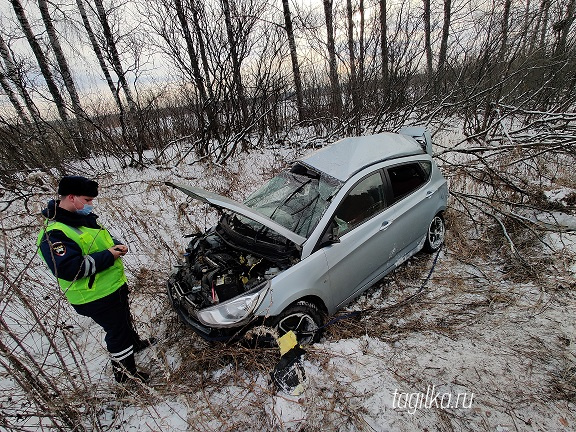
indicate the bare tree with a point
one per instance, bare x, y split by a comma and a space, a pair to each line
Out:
66, 75
232, 45
138, 138
13, 98
545, 14
211, 103
505, 31
114, 55
361, 48
100, 56
42, 61
196, 72
196, 10
294, 58
351, 51
15, 77
337, 108
562, 27
428, 37
444, 41
384, 46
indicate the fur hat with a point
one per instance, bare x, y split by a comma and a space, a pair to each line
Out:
77, 185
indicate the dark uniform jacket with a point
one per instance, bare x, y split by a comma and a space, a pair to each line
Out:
64, 256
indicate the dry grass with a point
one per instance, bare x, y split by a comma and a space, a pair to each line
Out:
489, 319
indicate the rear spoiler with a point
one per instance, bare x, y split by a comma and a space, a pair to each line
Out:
421, 135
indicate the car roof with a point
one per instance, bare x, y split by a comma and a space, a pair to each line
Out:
347, 156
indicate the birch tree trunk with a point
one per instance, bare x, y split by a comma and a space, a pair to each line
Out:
13, 98
332, 65
361, 49
77, 131
42, 61
14, 76
384, 48
114, 56
99, 55
60, 58
352, 54
294, 58
236, 75
428, 38
137, 139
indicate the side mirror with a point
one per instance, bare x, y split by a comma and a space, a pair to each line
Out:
333, 237
330, 236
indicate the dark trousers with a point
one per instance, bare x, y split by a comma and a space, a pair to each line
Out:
112, 313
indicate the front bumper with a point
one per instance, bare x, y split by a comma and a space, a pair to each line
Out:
187, 313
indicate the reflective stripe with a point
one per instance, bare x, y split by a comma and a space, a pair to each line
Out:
89, 266
77, 230
123, 354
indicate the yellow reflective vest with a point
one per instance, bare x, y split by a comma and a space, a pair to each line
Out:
83, 290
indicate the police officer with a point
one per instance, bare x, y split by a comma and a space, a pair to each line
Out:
87, 262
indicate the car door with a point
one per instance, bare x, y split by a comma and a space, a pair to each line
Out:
412, 205
363, 248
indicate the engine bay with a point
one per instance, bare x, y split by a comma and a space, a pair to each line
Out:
214, 272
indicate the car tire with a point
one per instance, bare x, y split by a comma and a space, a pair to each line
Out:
435, 234
303, 318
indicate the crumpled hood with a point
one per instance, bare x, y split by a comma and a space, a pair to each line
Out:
222, 202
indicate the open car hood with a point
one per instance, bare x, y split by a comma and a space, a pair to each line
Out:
222, 202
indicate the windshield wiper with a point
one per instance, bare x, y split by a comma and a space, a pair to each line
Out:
312, 201
289, 197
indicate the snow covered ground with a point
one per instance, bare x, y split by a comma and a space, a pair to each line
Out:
477, 346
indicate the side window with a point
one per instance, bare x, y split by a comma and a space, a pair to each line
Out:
363, 201
406, 178
427, 167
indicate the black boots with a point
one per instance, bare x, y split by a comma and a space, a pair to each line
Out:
125, 370
141, 344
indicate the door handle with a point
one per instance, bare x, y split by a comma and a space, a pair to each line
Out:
384, 225
429, 194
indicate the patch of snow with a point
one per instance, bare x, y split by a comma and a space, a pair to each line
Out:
471, 330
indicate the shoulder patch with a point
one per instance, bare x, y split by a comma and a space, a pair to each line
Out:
59, 248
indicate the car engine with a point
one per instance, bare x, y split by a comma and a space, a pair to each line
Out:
214, 272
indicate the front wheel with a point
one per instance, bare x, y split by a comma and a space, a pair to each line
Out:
302, 317
435, 234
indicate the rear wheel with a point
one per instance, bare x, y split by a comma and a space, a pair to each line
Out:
435, 234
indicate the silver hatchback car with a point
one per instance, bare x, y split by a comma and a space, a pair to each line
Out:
312, 239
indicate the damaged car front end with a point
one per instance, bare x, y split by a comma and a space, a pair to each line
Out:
227, 272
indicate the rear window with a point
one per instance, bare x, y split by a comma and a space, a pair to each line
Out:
406, 178
364, 200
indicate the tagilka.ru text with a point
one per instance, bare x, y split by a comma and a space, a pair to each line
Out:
432, 398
